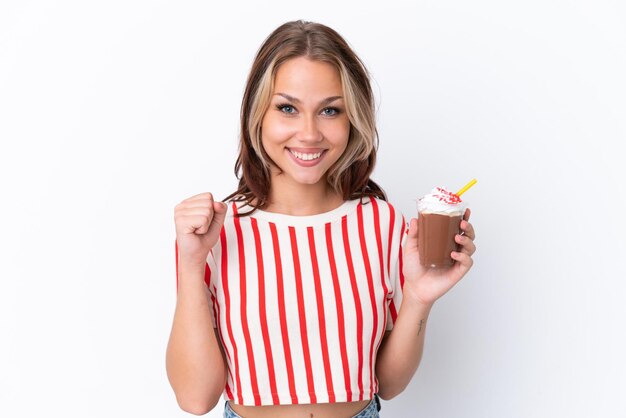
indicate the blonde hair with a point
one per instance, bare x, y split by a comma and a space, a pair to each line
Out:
349, 176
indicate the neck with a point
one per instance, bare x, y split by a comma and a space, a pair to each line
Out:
302, 200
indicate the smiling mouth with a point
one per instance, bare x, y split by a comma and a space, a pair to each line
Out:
306, 156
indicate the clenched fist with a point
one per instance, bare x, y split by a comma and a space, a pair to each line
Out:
199, 220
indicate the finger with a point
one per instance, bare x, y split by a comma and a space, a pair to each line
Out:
204, 200
197, 211
201, 196
467, 244
209, 214
187, 209
412, 228
468, 230
467, 214
206, 223
464, 261
193, 224
204, 203
219, 214
193, 220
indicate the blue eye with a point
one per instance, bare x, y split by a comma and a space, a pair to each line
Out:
330, 111
286, 108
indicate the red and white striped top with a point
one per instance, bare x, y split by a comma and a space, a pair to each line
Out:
301, 302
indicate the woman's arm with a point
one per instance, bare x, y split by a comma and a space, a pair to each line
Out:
401, 350
195, 364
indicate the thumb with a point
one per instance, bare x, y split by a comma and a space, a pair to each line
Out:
219, 214
413, 229
412, 233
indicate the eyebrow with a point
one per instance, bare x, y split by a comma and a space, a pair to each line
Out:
296, 100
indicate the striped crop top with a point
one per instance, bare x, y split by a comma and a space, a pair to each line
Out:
301, 303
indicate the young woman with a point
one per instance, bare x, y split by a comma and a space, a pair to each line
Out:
302, 296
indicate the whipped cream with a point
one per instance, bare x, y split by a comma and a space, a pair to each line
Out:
441, 200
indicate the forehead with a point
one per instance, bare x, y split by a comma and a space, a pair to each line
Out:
308, 77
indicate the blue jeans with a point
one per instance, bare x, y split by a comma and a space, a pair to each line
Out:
370, 411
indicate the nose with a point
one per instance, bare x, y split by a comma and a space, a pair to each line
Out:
309, 130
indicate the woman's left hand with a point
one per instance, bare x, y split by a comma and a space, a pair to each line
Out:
425, 285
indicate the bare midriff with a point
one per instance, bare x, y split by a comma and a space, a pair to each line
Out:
319, 410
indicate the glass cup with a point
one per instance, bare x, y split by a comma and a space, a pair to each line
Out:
438, 224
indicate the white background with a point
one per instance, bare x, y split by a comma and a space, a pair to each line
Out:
113, 112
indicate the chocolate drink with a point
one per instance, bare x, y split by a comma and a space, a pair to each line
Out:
439, 220
436, 238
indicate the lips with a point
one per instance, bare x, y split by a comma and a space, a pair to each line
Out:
306, 157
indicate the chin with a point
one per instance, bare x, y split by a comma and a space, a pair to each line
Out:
309, 181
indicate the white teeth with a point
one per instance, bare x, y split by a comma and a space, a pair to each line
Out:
305, 157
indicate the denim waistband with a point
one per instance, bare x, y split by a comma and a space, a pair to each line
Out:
370, 411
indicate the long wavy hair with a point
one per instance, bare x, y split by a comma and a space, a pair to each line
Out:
350, 175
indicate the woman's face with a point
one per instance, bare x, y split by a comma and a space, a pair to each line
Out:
305, 130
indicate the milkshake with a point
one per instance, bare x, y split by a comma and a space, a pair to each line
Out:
439, 220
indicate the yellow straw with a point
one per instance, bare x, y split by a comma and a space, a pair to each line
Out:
467, 186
